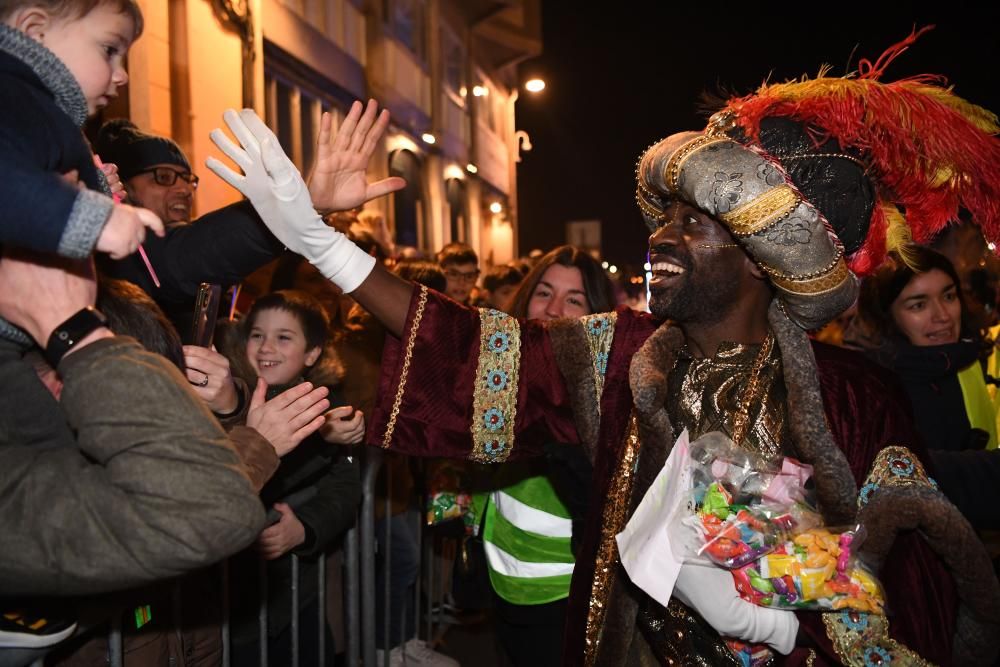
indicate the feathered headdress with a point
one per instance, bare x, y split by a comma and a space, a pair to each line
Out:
927, 152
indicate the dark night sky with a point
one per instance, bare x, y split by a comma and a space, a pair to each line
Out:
622, 75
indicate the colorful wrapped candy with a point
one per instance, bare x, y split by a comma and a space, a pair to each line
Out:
750, 655
739, 534
756, 519
813, 570
446, 497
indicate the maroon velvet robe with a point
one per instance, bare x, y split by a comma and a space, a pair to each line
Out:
864, 407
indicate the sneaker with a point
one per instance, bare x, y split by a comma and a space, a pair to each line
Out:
22, 629
416, 652
395, 657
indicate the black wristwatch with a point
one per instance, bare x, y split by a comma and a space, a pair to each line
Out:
71, 332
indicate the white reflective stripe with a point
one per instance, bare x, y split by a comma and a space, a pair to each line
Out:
502, 562
530, 519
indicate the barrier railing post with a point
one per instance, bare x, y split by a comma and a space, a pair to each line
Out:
115, 653
295, 611
262, 611
321, 604
352, 601
373, 460
226, 639
388, 639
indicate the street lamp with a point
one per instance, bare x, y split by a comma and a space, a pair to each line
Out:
522, 142
534, 85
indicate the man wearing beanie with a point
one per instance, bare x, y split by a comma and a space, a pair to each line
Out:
221, 247
155, 171
759, 226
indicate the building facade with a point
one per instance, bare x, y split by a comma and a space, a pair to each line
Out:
446, 70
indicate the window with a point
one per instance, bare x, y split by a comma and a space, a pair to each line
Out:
454, 65
293, 113
455, 193
408, 25
408, 202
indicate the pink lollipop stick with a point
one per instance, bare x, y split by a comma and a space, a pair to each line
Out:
142, 251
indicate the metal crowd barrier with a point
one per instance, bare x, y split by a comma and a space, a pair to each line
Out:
361, 546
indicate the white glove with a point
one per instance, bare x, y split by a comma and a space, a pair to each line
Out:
276, 189
711, 591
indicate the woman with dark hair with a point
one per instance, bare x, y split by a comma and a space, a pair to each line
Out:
913, 312
562, 266
532, 515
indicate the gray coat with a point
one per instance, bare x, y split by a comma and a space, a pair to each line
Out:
128, 480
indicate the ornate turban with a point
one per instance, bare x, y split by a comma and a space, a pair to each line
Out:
818, 178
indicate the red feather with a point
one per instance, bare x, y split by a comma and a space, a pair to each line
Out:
929, 151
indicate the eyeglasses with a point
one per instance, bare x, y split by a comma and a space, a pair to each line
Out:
166, 176
462, 276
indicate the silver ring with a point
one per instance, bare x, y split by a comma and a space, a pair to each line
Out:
203, 383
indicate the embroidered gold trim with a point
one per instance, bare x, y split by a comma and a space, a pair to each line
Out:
647, 206
764, 211
404, 373
896, 466
612, 523
494, 406
809, 156
600, 330
830, 281
862, 640
775, 273
672, 171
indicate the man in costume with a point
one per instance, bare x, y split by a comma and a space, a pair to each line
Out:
759, 225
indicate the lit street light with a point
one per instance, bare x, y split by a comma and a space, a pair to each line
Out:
534, 85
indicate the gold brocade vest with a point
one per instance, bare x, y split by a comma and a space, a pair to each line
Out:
706, 394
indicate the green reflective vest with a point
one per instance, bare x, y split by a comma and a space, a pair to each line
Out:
526, 536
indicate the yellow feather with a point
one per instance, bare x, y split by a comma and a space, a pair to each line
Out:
897, 234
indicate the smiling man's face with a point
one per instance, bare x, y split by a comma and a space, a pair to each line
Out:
696, 268
171, 202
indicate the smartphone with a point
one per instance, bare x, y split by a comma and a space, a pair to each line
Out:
206, 311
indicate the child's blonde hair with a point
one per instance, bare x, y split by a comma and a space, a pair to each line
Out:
74, 9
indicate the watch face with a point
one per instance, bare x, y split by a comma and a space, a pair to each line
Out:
69, 333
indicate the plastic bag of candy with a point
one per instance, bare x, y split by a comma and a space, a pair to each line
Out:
744, 506
757, 518
815, 569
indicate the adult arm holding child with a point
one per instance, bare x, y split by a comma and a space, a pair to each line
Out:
148, 488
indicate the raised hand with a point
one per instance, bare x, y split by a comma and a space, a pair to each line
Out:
276, 189
343, 428
290, 417
338, 181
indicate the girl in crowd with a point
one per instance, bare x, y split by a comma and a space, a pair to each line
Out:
529, 519
914, 315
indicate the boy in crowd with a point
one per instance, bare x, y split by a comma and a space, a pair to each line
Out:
461, 267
